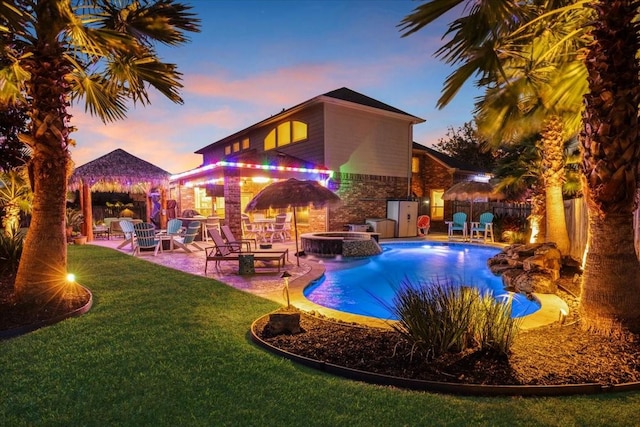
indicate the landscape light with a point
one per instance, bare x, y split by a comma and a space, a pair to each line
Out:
71, 278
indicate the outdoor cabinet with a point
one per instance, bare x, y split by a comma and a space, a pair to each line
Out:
405, 215
384, 226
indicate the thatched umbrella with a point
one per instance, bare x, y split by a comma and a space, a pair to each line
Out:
472, 190
292, 193
116, 171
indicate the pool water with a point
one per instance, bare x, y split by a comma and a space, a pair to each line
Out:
367, 286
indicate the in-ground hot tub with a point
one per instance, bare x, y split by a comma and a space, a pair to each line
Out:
344, 243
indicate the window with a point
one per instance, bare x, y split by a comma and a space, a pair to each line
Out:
270, 141
236, 146
285, 133
437, 205
415, 164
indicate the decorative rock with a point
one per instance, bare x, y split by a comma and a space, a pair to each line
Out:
508, 277
529, 268
283, 323
535, 281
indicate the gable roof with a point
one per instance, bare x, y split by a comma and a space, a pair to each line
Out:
448, 161
343, 94
346, 94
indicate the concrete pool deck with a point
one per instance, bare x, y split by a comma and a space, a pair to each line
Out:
270, 285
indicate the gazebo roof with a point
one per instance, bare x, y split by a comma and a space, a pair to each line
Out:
121, 172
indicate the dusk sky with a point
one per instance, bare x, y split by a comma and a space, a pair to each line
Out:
254, 58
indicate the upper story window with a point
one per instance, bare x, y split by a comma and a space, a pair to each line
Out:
236, 146
285, 133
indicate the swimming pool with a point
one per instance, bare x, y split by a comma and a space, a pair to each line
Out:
366, 286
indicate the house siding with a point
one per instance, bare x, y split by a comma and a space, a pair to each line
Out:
361, 142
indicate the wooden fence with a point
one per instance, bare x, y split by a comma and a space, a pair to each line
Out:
577, 218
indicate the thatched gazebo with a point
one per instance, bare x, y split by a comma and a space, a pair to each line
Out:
118, 171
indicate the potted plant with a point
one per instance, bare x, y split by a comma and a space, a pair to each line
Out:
73, 221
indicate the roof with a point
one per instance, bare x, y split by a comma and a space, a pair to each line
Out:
342, 94
447, 161
119, 171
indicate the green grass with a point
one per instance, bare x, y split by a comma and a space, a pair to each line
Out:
164, 348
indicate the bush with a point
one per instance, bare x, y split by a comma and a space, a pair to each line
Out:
441, 316
10, 251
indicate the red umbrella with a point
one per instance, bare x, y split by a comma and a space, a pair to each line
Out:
292, 193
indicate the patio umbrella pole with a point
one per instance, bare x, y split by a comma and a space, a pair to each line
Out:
295, 227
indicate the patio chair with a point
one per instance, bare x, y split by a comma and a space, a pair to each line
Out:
174, 227
126, 227
187, 240
231, 240
212, 222
249, 230
278, 229
483, 229
459, 223
424, 223
145, 238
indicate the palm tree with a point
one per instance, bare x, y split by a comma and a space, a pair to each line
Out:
54, 52
610, 300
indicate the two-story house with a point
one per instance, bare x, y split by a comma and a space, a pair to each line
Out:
357, 146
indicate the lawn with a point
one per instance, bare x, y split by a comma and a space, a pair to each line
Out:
161, 347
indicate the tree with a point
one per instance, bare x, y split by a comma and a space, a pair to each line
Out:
465, 143
55, 52
610, 300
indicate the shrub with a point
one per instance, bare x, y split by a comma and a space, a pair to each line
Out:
511, 229
10, 251
441, 316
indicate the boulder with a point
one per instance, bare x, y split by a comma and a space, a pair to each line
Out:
535, 281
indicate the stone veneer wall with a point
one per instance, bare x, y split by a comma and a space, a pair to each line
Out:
363, 196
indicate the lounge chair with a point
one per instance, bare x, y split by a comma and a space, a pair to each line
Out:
146, 238
459, 223
222, 251
231, 240
187, 240
483, 229
424, 223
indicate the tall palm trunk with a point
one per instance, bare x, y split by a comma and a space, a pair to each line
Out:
42, 271
553, 177
610, 301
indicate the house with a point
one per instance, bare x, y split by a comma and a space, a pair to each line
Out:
357, 146
432, 173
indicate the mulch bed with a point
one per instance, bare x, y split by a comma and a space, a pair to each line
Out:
551, 355
16, 315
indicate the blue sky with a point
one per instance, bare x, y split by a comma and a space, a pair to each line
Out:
254, 58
